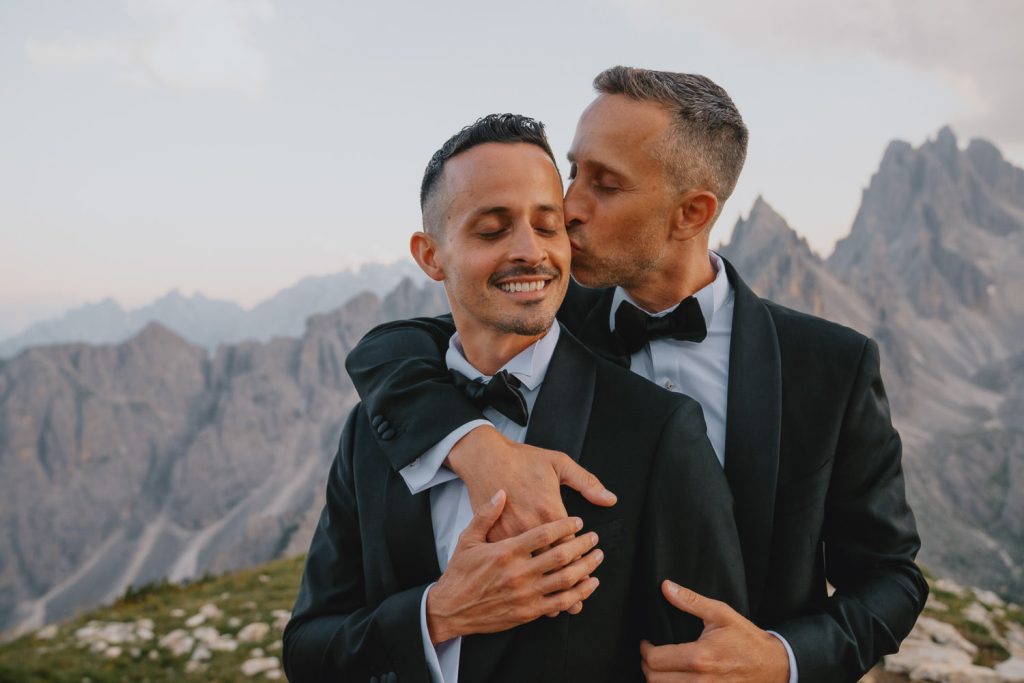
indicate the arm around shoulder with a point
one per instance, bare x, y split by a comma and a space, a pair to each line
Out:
399, 370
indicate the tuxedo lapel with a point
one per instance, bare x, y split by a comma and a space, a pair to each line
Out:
558, 422
753, 429
408, 527
595, 332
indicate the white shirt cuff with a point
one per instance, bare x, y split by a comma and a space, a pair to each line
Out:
428, 470
793, 674
433, 663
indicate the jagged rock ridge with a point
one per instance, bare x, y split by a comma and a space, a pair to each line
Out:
149, 459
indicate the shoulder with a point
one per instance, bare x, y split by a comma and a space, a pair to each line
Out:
805, 334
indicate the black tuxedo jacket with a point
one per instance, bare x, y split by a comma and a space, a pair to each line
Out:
811, 457
357, 614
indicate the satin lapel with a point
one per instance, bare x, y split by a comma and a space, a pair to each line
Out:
410, 534
558, 422
753, 429
597, 335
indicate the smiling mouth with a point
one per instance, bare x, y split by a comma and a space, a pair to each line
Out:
527, 286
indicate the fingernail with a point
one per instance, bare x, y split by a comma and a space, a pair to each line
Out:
609, 496
579, 524
600, 555
496, 497
593, 538
672, 587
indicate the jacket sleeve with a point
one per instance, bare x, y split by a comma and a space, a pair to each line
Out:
334, 635
398, 368
870, 542
690, 534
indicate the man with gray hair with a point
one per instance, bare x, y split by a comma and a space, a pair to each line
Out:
795, 407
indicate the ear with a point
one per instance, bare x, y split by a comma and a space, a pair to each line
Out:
694, 214
424, 252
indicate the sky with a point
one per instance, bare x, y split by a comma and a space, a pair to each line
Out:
232, 147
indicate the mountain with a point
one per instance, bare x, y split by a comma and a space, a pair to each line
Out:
933, 269
153, 458
209, 322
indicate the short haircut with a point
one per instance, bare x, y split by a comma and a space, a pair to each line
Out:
504, 128
707, 143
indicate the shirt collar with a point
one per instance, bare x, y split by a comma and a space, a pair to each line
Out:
710, 297
529, 366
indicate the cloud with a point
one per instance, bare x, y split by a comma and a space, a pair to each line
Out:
972, 45
191, 45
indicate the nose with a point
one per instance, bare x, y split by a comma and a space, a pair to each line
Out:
526, 246
576, 206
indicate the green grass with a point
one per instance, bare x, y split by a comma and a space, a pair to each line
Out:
990, 650
244, 595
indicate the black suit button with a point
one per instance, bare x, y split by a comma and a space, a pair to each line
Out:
377, 419
388, 435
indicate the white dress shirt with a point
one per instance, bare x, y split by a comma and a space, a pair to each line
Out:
450, 510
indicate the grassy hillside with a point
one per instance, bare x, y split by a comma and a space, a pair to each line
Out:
166, 632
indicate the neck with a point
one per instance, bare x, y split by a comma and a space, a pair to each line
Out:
488, 350
669, 283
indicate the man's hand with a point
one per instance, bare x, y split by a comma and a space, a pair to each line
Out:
487, 462
730, 649
491, 587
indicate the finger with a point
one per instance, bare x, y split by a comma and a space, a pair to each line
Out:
571, 575
652, 676
560, 602
562, 554
575, 609
707, 610
546, 534
483, 520
678, 658
576, 477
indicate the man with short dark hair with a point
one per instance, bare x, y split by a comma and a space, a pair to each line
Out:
795, 406
401, 583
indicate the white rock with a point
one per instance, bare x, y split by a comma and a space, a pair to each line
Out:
144, 624
144, 634
112, 652
1012, 669
211, 611
944, 634
934, 604
194, 667
135, 652
47, 632
255, 632
205, 634
99, 646
256, 653
251, 667
200, 654
275, 646
195, 620
979, 615
951, 673
223, 644
153, 655
950, 586
178, 641
914, 654
264, 578
177, 613
988, 598
234, 622
274, 674
281, 618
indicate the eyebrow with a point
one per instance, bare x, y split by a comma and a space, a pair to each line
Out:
503, 210
596, 164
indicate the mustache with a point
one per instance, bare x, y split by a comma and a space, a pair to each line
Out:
524, 271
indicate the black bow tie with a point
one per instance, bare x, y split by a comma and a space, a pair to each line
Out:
634, 328
501, 393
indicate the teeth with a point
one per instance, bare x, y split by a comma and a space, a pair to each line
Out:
523, 286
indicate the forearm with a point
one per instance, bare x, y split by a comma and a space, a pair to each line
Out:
398, 369
362, 643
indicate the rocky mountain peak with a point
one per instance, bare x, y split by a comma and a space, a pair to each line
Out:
765, 230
